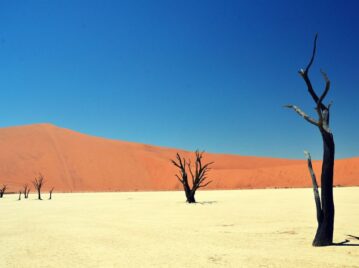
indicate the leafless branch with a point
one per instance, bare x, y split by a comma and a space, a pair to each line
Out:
315, 187
327, 86
302, 114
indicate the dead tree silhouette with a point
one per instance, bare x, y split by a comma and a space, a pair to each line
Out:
26, 190
19, 195
38, 183
3, 190
199, 175
50, 192
325, 203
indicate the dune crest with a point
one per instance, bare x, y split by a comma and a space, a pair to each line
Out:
71, 161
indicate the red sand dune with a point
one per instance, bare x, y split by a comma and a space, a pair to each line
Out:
71, 161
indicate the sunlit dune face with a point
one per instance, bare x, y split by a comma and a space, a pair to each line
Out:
71, 161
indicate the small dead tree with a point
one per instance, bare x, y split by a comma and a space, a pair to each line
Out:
50, 192
198, 176
3, 190
19, 195
26, 190
325, 203
38, 183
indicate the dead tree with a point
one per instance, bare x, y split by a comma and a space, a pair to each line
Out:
50, 192
19, 195
2, 190
325, 203
198, 176
26, 190
38, 183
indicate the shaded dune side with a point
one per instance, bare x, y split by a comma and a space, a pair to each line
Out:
71, 161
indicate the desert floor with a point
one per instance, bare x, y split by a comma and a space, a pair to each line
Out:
244, 228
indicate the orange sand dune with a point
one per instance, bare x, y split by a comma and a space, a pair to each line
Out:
71, 161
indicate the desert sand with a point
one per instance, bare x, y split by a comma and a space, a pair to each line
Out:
236, 228
75, 162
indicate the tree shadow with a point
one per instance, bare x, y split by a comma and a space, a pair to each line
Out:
353, 236
346, 242
207, 202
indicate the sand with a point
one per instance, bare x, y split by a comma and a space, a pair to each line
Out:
237, 228
73, 162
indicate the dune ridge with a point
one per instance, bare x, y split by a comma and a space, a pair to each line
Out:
75, 162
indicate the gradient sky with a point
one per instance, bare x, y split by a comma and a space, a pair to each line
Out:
191, 74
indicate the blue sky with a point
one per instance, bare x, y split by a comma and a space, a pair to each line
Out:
207, 74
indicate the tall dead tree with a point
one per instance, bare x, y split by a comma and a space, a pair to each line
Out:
324, 203
38, 183
3, 190
26, 190
198, 175
50, 192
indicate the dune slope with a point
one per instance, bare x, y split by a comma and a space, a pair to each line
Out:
71, 161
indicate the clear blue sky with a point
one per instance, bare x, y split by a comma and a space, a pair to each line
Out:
205, 74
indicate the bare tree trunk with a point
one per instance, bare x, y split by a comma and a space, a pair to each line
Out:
26, 191
2, 191
190, 196
50, 192
27, 194
19, 195
324, 235
39, 194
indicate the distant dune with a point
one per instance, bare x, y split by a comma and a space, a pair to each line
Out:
71, 161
